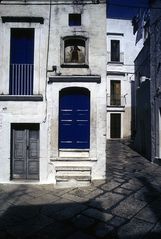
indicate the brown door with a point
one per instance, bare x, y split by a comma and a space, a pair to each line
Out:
25, 151
115, 125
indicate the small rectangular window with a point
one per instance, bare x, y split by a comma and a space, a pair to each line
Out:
115, 93
75, 19
115, 50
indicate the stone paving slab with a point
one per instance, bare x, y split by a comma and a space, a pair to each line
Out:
106, 201
129, 207
103, 230
70, 211
97, 214
123, 191
110, 185
29, 227
54, 230
125, 206
134, 229
82, 221
148, 215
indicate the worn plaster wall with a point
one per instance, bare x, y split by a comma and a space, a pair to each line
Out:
48, 53
155, 55
97, 66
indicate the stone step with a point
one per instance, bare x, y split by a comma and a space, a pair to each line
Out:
73, 175
72, 168
77, 178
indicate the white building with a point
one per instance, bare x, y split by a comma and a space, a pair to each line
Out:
121, 52
52, 91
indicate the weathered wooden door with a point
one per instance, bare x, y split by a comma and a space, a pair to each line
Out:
25, 151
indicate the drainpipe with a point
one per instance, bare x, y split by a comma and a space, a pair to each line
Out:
47, 61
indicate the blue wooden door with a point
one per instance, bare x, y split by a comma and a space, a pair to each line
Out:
21, 61
74, 119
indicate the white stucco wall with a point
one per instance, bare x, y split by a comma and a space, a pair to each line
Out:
46, 112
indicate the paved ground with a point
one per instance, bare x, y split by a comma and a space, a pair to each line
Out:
127, 206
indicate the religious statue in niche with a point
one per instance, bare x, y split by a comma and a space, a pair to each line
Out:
74, 52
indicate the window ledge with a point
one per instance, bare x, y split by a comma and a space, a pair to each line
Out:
22, 19
115, 62
21, 98
74, 65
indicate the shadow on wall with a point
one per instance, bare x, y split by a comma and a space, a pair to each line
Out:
142, 139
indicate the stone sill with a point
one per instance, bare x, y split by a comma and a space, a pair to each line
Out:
21, 98
76, 65
115, 62
116, 106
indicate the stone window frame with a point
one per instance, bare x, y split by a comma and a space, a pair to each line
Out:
7, 26
64, 64
115, 37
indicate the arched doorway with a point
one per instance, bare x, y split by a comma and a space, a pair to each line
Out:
74, 118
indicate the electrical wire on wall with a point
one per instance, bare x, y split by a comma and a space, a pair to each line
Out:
47, 61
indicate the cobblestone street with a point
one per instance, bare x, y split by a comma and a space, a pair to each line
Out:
127, 206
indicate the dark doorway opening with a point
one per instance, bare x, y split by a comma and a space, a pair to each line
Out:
115, 126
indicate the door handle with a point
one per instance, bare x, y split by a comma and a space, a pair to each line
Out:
27, 147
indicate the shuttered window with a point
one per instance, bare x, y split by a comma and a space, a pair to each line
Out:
21, 61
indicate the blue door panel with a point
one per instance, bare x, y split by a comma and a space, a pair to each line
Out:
74, 119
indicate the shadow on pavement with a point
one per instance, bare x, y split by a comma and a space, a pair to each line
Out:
38, 212
147, 223
55, 220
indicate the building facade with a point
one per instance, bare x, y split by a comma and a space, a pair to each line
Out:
121, 52
148, 85
52, 91
142, 139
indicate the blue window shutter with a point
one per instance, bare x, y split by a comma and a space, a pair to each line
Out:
21, 61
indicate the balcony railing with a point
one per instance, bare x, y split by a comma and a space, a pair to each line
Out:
116, 100
119, 59
21, 79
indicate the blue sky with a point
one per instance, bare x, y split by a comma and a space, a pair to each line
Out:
125, 8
